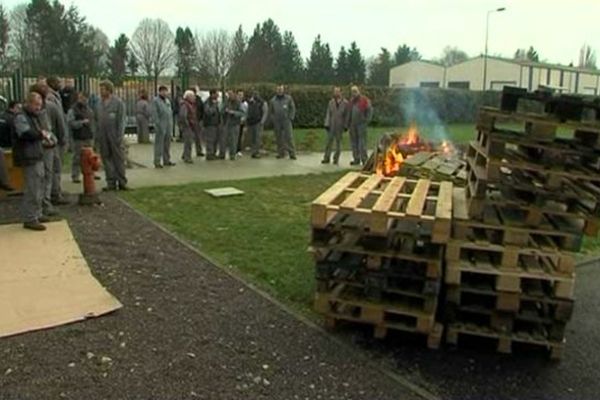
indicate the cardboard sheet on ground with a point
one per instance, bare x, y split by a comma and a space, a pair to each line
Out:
45, 281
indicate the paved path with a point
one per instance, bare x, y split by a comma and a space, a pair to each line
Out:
144, 174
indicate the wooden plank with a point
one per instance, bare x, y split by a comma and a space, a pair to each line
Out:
379, 218
361, 193
336, 189
459, 204
419, 196
418, 158
443, 209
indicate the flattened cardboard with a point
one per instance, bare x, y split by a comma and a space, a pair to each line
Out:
45, 281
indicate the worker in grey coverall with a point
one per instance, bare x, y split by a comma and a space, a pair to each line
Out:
283, 112
110, 129
212, 119
188, 123
50, 116
28, 136
142, 117
336, 118
359, 116
58, 126
233, 113
162, 115
257, 113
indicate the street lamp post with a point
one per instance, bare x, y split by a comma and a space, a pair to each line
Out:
487, 33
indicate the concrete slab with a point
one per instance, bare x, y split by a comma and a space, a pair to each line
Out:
219, 170
224, 192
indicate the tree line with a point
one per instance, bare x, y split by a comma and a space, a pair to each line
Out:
44, 37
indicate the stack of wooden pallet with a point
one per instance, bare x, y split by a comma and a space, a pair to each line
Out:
533, 192
379, 259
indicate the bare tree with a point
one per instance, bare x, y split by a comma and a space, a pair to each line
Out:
153, 45
19, 45
587, 57
216, 55
452, 55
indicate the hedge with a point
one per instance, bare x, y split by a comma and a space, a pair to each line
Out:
392, 107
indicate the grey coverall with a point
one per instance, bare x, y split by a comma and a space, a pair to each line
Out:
58, 126
359, 117
255, 128
212, 127
110, 128
283, 112
234, 113
162, 114
142, 119
335, 123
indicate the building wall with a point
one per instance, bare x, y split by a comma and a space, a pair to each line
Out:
469, 75
417, 74
499, 73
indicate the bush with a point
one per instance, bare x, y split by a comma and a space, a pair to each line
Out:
392, 107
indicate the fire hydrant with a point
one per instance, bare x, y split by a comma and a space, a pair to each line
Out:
90, 164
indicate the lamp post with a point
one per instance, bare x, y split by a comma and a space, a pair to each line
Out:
487, 32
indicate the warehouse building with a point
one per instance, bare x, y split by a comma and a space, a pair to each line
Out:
500, 72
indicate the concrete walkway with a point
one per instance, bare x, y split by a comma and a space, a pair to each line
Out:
144, 174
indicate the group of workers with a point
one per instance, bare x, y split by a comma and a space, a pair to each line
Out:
54, 119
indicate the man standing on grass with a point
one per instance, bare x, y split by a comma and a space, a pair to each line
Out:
212, 124
258, 111
283, 112
359, 115
335, 125
162, 113
28, 138
110, 125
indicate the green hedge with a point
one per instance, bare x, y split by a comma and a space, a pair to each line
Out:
392, 107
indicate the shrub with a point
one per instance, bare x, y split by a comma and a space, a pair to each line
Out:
391, 106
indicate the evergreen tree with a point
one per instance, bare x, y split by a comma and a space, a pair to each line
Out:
290, 67
260, 61
356, 65
239, 46
117, 59
342, 71
186, 54
379, 68
405, 54
319, 67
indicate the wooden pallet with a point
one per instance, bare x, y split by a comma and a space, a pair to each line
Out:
529, 319
526, 189
339, 265
480, 269
503, 341
496, 143
534, 126
383, 201
339, 305
492, 169
486, 296
500, 225
511, 257
406, 249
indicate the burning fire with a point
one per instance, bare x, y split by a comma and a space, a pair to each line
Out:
404, 146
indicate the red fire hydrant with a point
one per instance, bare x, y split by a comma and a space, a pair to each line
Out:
90, 164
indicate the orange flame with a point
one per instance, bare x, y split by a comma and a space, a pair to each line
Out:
403, 147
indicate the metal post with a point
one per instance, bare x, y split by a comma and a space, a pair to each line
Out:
485, 55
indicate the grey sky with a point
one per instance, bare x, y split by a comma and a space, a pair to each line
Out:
556, 28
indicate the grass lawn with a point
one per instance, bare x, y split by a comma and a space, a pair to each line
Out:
314, 139
264, 234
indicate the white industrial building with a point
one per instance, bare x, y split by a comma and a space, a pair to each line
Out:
500, 72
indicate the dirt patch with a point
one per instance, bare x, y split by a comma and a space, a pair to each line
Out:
187, 330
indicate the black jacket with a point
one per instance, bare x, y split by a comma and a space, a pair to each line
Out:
212, 113
27, 139
77, 114
7, 125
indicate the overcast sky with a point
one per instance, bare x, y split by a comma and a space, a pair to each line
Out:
556, 28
